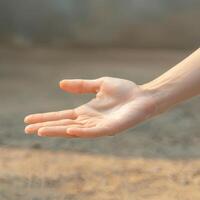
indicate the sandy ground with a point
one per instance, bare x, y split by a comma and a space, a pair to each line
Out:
159, 159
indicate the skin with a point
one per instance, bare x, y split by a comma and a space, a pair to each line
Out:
119, 104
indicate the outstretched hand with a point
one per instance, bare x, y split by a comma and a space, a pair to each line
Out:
119, 104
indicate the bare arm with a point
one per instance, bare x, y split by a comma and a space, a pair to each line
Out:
178, 84
119, 104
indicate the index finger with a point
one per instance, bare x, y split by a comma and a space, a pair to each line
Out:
50, 116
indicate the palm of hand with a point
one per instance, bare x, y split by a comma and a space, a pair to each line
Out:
119, 104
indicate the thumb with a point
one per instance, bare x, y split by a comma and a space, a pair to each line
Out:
80, 85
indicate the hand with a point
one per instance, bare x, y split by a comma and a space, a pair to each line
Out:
119, 104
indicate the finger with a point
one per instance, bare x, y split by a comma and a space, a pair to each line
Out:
51, 116
81, 86
33, 128
88, 132
55, 131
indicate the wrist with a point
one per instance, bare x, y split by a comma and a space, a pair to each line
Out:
161, 95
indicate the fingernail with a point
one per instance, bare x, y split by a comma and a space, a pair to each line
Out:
26, 130
26, 120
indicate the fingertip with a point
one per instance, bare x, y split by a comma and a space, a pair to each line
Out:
26, 130
62, 83
30, 129
26, 119
41, 132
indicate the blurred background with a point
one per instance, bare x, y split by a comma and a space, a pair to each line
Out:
97, 23
44, 41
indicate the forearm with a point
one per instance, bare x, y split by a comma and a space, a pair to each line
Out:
178, 84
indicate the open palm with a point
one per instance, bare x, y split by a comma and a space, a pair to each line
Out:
119, 104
